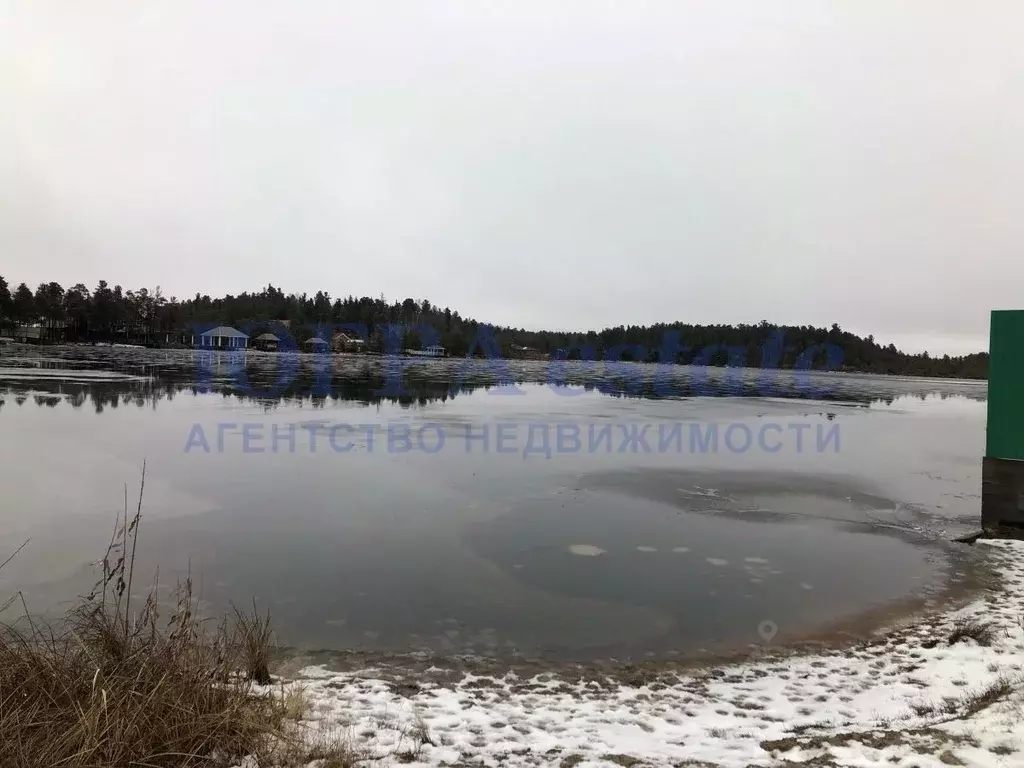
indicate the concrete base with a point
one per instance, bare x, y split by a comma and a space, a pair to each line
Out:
1002, 493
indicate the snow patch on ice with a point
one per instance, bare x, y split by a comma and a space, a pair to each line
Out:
586, 550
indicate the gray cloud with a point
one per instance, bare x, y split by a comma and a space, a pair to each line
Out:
563, 165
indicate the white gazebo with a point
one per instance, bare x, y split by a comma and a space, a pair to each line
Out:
221, 337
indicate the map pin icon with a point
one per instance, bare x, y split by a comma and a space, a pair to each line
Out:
767, 630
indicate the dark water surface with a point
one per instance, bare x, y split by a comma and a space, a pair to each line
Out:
841, 503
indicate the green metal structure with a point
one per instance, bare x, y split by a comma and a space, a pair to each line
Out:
1005, 437
1003, 469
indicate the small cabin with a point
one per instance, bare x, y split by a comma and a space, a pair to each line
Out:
267, 342
29, 334
316, 344
520, 352
344, 342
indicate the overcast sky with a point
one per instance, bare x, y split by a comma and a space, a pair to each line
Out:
547, 164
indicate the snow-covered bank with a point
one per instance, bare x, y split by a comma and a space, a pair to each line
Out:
915, 696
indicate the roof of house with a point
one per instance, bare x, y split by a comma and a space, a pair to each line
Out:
267, 337
315, 340
225, 331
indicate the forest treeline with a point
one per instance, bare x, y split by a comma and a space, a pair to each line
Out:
107, 313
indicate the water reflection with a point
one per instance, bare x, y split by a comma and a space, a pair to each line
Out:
419, 392
100, 395
147, 377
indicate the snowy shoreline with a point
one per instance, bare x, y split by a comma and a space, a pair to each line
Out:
914, 695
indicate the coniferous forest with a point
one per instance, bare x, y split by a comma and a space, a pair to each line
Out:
106, 313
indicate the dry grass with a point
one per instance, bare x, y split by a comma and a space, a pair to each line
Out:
295, 701
114, 684
257, 639
326, 751
970, 628
987, 696
970, 703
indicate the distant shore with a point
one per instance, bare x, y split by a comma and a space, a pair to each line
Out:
423, 356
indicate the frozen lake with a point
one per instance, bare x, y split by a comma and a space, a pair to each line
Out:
563, 510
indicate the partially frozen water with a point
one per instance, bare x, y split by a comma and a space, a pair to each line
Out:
436, 520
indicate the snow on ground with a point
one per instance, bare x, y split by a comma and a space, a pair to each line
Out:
910, 697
